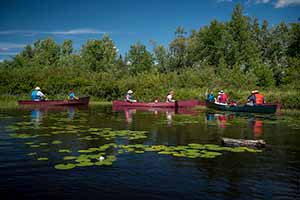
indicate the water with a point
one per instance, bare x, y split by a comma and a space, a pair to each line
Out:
271, 174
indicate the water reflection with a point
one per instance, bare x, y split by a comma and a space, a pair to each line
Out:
36, 116
38, 113
169, 112
224, 120
257, 126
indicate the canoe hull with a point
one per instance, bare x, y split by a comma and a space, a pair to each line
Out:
188, 103
81, 101
264, 109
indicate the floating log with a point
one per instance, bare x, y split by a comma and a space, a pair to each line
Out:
243, 142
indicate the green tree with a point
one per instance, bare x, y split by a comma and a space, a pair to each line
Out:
67, 48
178, 50
46, 52
294, 40
99, 55
139, 59
247, 52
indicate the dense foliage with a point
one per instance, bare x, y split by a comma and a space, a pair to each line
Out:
239, 55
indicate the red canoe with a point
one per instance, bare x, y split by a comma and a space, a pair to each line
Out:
188, 103
80, 101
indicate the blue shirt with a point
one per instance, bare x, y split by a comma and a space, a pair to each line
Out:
72, 95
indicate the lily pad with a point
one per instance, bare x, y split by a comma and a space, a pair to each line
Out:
69, 157
64, 151
43, 159
64, 166
56, 142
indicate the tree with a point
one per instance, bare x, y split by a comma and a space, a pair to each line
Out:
247, 52
139, 59
178, 50
99, 55
46, 52
294, 40
67, 48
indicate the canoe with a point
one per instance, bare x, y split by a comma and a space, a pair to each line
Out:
264, 108
80, 101
243, 142
188, 103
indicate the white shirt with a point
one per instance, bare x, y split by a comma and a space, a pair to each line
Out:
40, 94
170, 98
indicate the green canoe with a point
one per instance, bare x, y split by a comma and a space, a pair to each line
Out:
264, 108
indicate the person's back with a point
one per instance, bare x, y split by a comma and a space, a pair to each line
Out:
34, 95
222, 98
259, 99
37, 95
251, 99
72, 95
169, 98
210, 97
129, 97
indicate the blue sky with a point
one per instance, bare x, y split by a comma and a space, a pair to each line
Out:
126, 21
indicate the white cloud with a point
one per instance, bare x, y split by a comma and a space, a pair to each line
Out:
4, 46
285, 3
65, 32
263, 1
8, 53
219, 1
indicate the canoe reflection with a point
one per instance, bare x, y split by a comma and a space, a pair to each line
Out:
170, 112
38, 113
255, 123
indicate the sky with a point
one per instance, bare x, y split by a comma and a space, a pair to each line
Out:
127, 22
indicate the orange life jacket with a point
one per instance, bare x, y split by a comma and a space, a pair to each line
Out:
259, 99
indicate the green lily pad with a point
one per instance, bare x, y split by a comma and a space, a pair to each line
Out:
64, 166
56, 142
85, 164
70, 158
64, 151
34, 146
32, 154
43, 159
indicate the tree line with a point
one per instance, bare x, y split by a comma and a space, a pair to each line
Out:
238, 55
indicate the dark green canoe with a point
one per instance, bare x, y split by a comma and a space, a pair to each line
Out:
264, 108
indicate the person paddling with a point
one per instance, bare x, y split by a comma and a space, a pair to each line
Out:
222, 97
210, 97
259, 98
251, 100
170, 96
37, 95
129, 97
72, 96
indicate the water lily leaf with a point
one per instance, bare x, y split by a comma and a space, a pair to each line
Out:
42, 159
32, 154
64, 166
70, 158
56, 142
85, 164
64, 151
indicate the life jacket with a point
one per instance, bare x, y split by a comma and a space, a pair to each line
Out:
34, 95
223, 98
259, 99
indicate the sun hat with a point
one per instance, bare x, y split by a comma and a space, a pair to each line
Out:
37, 88
129, 92
221, 92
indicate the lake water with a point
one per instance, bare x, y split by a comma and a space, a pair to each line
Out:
159, 158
